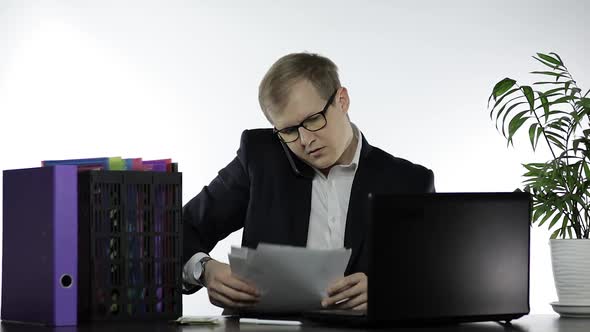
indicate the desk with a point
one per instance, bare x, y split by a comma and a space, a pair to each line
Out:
532, 323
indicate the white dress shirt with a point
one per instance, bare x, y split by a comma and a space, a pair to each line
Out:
330, 196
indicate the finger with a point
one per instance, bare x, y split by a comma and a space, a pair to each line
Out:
340, 285
219, 287
225, 301
361, 307
218, 299
239, 285
215, 302
348, 293
353, 302
235, 295
345, 283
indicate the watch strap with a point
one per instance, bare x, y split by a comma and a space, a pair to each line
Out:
203, 263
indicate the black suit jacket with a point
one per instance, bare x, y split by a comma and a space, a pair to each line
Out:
260, 191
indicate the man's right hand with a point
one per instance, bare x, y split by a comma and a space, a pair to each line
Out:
226, 290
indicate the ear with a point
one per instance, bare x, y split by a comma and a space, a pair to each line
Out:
342, 100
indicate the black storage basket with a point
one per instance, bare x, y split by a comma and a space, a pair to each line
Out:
130, 235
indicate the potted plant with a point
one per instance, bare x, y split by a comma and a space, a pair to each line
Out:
556, 111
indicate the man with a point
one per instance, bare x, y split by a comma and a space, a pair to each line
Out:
303, 183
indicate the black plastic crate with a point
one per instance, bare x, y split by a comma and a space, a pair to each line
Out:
130, 245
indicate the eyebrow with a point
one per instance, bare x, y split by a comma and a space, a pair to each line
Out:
328, 102
300, 122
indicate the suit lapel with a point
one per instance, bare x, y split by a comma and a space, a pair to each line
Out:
356, 218
300, 202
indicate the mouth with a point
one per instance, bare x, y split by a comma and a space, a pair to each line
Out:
315, 151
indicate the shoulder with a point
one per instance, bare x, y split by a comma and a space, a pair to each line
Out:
400, 173
259, 141
259, 145
258, 136
387, 161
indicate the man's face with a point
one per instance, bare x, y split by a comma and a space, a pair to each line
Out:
325, 147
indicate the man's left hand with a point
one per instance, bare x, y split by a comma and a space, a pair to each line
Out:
348, 293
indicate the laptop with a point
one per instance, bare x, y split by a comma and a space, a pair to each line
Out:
444, 258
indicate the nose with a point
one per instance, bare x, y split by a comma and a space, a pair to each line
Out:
305, 136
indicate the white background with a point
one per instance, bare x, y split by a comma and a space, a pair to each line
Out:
179, 79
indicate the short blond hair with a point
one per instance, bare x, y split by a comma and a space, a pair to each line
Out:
276, 84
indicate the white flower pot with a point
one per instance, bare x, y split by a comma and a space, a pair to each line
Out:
570, 259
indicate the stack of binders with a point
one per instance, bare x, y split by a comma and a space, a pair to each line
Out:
86, 240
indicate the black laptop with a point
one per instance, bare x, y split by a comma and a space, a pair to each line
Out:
445, 258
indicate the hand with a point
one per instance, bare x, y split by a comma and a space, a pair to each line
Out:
226, 290
348, 293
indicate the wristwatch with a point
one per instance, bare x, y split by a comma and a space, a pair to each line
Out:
199, 273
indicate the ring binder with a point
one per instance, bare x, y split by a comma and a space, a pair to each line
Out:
40, 243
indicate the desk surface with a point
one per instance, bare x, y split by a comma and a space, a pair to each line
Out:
533, 323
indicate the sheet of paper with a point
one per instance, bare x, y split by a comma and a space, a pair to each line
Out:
237, 260
290, 279
200, 320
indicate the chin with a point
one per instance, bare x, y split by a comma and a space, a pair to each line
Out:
321, 163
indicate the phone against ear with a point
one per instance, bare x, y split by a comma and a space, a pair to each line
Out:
290, 158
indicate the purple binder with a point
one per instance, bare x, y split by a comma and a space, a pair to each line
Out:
40, 245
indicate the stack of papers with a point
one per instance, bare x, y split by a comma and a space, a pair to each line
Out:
289, 279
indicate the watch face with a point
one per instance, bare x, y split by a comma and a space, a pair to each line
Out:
203, 264
198, 270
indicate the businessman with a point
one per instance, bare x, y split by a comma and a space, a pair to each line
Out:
304, 183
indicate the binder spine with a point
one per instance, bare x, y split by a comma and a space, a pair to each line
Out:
65, 245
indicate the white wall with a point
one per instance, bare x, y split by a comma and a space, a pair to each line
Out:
179, 79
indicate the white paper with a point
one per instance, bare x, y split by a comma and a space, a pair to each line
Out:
289, 279
200, 320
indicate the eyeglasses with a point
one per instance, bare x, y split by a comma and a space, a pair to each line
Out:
313, 122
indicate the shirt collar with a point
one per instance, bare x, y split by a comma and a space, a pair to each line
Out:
359, 144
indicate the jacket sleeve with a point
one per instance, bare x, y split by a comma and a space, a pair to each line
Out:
219, 209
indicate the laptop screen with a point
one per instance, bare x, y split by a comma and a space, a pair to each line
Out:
448, 255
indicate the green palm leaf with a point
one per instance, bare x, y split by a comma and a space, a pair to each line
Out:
560, 187
502, 87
